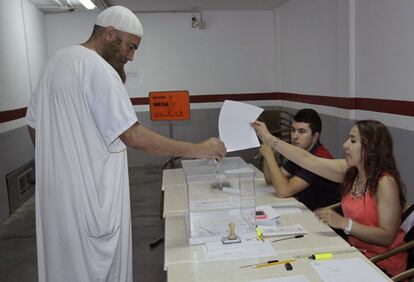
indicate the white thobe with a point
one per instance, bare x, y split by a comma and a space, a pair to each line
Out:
83, 217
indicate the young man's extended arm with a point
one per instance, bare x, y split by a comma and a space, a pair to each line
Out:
284, 186
141, 138
266, 173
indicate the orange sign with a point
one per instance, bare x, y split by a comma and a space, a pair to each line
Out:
169, 105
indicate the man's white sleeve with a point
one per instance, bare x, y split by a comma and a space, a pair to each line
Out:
110, 107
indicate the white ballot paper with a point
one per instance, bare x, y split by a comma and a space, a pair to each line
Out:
234, 125
345, 270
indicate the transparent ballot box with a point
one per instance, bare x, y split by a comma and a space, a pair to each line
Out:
219, 193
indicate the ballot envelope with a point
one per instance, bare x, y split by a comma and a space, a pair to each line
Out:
219, 193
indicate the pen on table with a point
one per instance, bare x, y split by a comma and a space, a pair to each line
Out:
287, 238
274, 263
259, 234
254, 264
317, 255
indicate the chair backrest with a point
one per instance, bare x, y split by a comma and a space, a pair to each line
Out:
278, 122
407, 225
271, 118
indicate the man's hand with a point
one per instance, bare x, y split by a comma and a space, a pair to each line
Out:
211, 148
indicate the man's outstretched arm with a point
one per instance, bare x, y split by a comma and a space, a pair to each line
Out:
141, 138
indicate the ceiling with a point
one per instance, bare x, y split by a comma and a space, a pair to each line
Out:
53, 6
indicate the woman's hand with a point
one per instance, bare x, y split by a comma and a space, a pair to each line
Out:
332, 218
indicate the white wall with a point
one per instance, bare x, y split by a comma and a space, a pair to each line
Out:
36, 41
385, 49
348, 48
385, 68
312, 47
313, 51
14, 73
22, 52
234, 54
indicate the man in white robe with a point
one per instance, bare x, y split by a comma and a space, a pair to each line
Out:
81, 120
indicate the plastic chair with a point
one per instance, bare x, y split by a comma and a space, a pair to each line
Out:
407, 225
278, 122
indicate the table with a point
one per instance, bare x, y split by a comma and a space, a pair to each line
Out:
225, 271
184, 262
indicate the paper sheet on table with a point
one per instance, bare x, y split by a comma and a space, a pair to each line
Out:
286, 208
245, 249
260, 189
293, 278
234, 125
345, 270
295, 229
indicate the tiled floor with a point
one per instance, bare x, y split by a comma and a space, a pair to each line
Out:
18, 235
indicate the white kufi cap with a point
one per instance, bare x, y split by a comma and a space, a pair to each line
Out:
121, 19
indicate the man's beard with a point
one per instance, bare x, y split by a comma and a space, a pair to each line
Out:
109, 54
